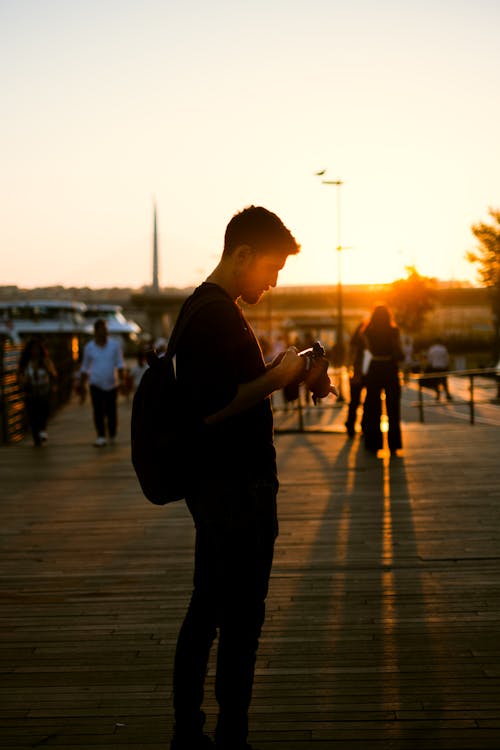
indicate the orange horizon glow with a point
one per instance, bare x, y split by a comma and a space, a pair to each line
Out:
97, 122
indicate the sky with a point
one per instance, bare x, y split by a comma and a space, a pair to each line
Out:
206, 106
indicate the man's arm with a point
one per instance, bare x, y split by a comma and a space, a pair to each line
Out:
82, 386
84, 373
120, 366
288, 368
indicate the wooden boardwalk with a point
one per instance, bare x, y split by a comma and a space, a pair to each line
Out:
383, 625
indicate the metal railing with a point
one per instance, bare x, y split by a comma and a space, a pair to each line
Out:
424, 380
300, 406
297, 409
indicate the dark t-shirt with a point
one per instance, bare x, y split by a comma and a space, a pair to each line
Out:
217, 352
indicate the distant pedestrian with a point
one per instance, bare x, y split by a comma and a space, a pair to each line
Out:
138, 370
356, 378
103, 367
160, 346
438, 360
382, 339
407, 347
37, 374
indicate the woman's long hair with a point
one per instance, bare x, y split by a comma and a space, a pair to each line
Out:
42, 356
380, 330
381, 318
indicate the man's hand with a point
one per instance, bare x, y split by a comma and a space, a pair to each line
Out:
289, 367
317, 379
81, 392
125, 383
81, 387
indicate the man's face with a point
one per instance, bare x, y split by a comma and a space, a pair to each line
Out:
101, 333
259, 273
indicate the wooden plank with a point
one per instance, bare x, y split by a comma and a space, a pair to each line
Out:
383, 613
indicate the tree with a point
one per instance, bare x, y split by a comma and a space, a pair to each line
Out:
487, 258
411, 299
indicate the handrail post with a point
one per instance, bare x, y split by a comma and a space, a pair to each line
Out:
471, 401
420, 401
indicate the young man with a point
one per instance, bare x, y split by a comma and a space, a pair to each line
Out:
104, 368
227, 386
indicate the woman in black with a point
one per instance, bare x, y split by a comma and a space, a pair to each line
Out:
382, 339
37, 373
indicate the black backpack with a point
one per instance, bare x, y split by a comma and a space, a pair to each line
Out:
160, 433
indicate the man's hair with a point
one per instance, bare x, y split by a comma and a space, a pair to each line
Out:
261, 230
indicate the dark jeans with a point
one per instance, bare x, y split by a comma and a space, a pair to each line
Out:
104, 406
382, 376
235, 531
37, 409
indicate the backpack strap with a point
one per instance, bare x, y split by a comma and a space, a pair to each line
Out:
189, 310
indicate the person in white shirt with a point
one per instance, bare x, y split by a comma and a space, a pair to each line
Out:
104, 369
439, 361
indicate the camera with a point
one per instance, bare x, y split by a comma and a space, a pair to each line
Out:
315, 374
313, 352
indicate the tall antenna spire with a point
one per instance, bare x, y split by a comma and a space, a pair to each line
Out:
156, 283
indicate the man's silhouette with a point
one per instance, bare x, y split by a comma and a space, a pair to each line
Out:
227, 386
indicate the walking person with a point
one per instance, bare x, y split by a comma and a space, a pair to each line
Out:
104, 369
438, 360
138, 370
382, 339
356, 379
232, 498
37, 375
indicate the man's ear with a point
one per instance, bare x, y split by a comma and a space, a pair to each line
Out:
243, 254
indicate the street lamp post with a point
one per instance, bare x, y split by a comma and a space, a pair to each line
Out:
340, 312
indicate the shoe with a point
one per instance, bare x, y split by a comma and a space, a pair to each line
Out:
350, 429
202, 742
100, 442
43, 435
112, 440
